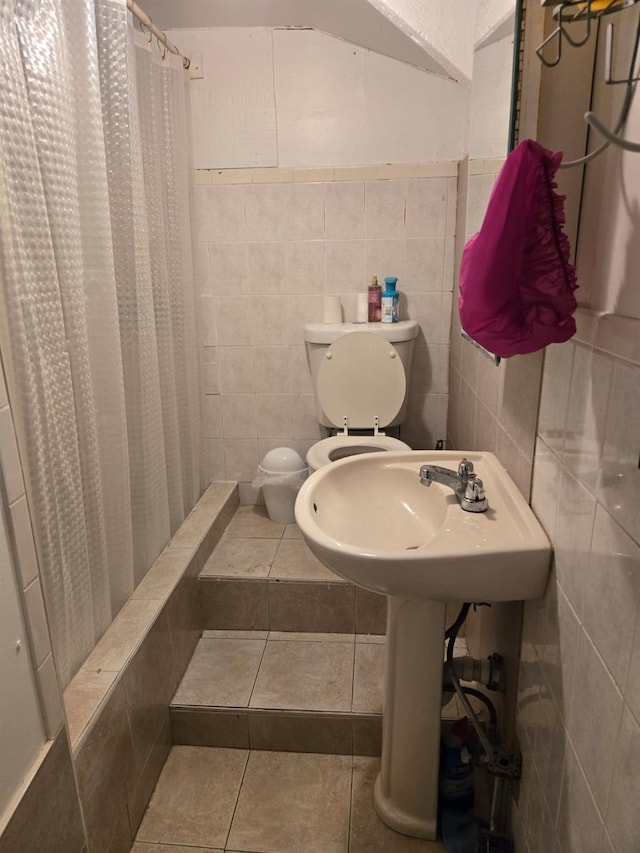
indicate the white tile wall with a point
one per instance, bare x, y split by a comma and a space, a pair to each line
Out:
37, 620
581, 644
491, 408
25, 546
9, 458
49, 689
578, 708
26, 564
268, 253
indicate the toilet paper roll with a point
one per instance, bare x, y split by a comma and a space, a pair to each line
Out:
332, 309
362, 313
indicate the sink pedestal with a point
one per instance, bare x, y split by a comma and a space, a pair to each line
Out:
406, 790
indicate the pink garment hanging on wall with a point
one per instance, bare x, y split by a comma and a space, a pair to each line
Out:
516, 280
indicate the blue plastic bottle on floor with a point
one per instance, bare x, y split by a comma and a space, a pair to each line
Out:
456, 769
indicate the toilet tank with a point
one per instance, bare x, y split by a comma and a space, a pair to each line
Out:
319, 337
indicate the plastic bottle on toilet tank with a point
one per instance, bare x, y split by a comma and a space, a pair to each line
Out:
390, 301
374, 296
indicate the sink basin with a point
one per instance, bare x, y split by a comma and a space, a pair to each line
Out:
372, 522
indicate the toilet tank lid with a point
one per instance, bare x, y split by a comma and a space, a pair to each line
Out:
327, 333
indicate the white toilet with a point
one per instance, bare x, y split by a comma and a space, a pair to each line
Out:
360, 376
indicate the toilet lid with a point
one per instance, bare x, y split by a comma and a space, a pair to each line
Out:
361, 376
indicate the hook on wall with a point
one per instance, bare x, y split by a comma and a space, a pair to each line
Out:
569, 12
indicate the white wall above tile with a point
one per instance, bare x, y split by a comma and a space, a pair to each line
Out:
302, 98
341, 105
233, 110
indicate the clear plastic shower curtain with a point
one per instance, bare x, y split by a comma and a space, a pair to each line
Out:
97, 286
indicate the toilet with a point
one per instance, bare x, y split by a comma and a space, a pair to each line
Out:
360, 375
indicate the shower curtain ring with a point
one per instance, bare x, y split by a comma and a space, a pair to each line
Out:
162, 47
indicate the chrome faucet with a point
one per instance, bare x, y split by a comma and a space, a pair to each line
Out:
467, 487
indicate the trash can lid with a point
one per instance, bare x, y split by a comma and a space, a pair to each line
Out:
282, 460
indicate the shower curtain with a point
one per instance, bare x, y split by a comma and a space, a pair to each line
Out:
98, 331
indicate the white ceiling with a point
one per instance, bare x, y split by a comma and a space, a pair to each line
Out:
434, 35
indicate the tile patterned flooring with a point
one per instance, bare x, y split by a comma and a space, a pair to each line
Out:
253, 546
210, 799
282, 670
290, 671
214, 800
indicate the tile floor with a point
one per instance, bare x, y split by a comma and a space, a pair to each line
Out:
210, 800
253, 546
214, 800
260, 669
290, 671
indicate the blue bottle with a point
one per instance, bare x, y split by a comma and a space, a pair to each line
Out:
390, 301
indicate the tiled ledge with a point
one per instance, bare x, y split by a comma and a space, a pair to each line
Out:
118, 703
44, 813
185, 555
386, 171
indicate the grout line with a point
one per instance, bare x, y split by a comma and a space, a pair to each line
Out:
235, 808
268, 582
255, 681
351, 793
275, 556
328, 175
353, 674
275, 100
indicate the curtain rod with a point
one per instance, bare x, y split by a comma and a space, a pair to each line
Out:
146, 21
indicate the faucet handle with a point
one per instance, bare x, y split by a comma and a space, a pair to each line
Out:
465, 468
474, 499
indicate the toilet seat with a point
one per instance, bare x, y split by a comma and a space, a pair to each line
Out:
361, 382
340, 446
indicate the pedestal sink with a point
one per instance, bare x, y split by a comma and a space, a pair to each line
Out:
370, 520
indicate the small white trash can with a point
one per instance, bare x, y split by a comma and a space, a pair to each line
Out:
280, 474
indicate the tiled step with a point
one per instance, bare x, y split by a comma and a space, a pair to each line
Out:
292, 656
299, 692
263, 577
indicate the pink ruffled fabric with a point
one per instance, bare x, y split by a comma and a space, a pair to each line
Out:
516, 280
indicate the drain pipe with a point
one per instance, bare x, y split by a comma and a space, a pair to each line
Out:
475, 722
501, 765
489, 671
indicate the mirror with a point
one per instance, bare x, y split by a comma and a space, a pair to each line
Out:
491, 129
